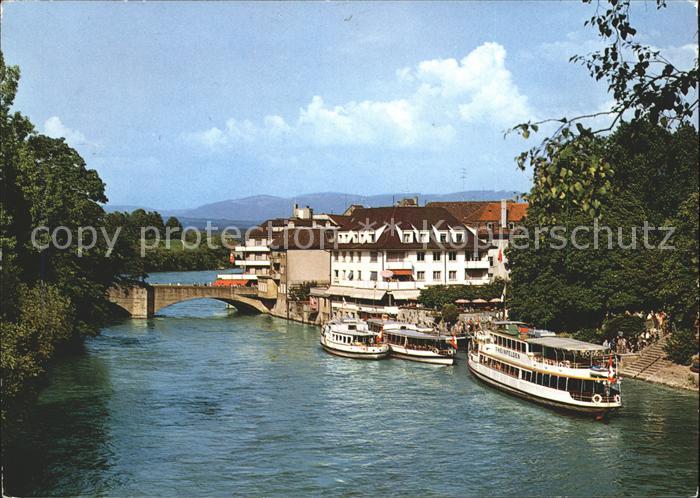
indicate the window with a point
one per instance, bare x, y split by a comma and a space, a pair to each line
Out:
373, 257
336, 274
437, 256
452, 256
459, 237
511, 225
437, 275
490, 260
420, 276
407, 237
373, 276
443, 237
359, 274
420, 256
453, 275
335, 256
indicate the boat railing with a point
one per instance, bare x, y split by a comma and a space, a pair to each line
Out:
588, 396
561, 363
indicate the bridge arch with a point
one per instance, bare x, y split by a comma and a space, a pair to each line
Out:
242, 304
144, 301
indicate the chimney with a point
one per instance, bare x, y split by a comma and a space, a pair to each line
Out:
504, 213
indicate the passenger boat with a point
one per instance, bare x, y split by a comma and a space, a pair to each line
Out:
555, 371
352, 339
412, 342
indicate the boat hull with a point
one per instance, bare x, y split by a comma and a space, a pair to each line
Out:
554, 404
433, 360
355, 355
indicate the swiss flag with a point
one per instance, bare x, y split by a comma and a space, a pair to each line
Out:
611, 370
453, 341
500, 255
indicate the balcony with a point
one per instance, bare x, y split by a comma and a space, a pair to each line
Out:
399, 265
482, 264
252, 262
371, 284
251, 249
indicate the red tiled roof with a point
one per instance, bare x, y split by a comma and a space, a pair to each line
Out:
403, 218
476, 212
303, 238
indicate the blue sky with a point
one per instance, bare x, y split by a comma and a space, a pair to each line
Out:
181, 104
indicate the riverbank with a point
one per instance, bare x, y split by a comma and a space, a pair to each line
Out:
676, 376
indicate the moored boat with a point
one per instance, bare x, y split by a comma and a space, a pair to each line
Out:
555, 371
412, 342
352, 339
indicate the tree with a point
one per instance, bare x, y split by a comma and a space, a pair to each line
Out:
450, 314
173, 223
571, 288
51, 297
645, 86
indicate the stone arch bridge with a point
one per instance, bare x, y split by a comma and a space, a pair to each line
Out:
146, 300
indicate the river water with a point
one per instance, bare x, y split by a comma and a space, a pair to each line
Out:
201, 401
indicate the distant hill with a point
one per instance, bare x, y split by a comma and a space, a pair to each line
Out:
262, 207
250, 210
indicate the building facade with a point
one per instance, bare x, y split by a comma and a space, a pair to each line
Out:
383, 257
493, 221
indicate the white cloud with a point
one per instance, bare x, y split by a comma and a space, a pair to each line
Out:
53, 127
444, 93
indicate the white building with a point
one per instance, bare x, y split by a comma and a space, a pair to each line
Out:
384, 256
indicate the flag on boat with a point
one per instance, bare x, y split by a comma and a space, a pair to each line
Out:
500, 255
611, 370
380, 337
231, 257
453, 341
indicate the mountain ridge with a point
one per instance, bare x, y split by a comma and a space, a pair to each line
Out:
257, 208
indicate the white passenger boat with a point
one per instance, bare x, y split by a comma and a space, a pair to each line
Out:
412, 342
555, 371
352, 339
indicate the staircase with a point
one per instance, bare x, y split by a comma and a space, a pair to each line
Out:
651, 360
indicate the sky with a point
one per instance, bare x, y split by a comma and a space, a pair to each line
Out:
178, 104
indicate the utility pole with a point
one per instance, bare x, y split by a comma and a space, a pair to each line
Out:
463, 176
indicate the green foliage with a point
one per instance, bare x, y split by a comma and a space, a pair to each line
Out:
573, 288
681, 346
629, 325
438, 296
302, 291
589, 335
642, 84
173, 223
45, 321
50, 297
678, 290
450, 314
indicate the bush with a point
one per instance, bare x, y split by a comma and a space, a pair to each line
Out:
450, 314
589, 335
681, 346
629, 325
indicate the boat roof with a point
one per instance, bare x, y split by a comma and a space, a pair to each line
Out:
506, 322
566, 343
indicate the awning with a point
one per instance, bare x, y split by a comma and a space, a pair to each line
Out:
402, 273
230, 283
319, 291
357, 293
411, 294
566, 343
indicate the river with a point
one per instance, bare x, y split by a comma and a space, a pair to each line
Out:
201, 401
